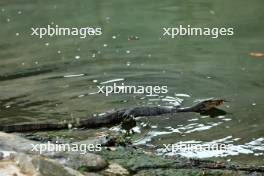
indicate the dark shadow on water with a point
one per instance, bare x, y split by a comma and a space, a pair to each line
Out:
214, 112
22, 109
27, 73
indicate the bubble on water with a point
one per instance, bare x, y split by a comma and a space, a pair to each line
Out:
47, 44
52, 23
77, 57
69, 125
105, 45
23, 63
212, 12
2, 9
127, 51
19, 12
254, 104
107, 18
8, 19
59, 51
93, 55
113, 37
95, 81
36, 62
149, 55
7, 106
17, 34
208, 77
128, 64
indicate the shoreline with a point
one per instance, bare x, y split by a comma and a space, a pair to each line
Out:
114, 160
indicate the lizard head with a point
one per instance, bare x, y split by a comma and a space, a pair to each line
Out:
210, 103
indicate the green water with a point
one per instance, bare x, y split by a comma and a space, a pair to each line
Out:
32, 71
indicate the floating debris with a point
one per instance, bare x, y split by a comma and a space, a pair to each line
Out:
182, 95
256, 54
70, 76
113, 80
80, 96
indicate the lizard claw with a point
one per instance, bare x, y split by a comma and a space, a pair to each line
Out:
126, 114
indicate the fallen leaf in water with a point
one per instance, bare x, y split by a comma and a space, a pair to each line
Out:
256, 54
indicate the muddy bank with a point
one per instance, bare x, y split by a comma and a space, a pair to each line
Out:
114, 160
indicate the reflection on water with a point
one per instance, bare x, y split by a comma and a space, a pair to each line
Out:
181, 129
56, 78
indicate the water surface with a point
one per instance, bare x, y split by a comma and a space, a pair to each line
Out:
54, 78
